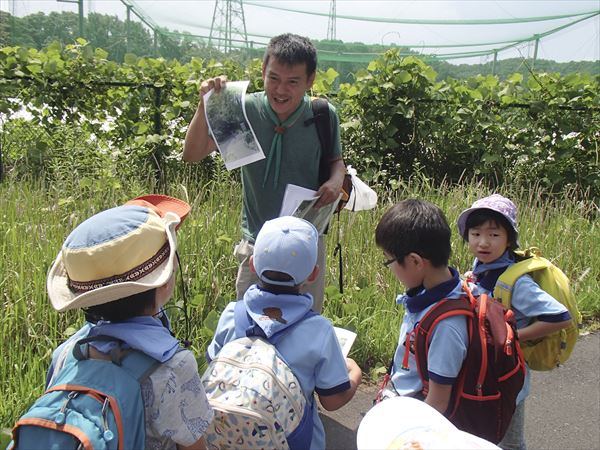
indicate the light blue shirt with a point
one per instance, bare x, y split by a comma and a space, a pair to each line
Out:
447, 350
310, 349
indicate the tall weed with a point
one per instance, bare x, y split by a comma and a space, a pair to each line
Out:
35, 218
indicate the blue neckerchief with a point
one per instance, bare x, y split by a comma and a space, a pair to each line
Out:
275, 312
418, 298
487, 274
143, 333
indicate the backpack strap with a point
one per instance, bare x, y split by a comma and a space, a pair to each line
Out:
138, 364
322, 121
245, 326
506, 281
442, 310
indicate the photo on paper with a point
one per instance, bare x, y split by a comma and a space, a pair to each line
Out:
229, 126
300, 202
319, 217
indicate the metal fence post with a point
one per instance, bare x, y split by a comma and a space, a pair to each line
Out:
158, 154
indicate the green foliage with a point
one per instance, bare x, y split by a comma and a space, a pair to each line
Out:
36, 217
101, 30
137, 109
504, 68
399, 121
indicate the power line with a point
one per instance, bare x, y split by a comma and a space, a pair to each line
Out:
429, 21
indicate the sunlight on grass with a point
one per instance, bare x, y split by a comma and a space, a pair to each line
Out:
35, 219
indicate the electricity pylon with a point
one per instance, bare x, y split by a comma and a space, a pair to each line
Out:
331, 23
228, 26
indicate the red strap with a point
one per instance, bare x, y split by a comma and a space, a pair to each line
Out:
406, 352
386, 380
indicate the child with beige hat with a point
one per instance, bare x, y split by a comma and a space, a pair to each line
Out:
119, 266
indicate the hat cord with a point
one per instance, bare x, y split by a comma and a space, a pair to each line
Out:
186, 341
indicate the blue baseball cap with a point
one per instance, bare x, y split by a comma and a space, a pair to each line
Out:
288, 245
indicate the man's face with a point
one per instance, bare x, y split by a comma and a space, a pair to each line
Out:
285, 86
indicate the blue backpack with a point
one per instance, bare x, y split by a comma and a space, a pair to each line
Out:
90, 403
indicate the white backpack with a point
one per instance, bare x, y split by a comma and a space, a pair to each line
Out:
257, 399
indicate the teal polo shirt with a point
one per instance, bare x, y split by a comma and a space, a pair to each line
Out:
300, 156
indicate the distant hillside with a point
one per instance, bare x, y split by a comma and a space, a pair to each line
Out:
503, 68
506, 67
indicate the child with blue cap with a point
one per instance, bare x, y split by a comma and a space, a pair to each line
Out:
119, 266
489, 227
285, 258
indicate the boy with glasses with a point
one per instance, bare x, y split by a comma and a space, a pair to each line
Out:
415, 238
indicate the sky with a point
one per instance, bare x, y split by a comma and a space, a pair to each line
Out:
575, 43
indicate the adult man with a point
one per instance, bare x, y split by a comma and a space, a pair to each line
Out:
281, 118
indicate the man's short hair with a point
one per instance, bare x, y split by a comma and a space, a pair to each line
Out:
415, 226
292, 49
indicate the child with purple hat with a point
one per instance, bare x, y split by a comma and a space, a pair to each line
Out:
489, 227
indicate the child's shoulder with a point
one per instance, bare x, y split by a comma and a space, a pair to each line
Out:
183, 364
176, 373
314, 333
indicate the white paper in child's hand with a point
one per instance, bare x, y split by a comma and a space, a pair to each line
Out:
345, 338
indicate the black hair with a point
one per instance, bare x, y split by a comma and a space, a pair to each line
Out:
122, 309
481, 216
276, 288
292, 49
415, 226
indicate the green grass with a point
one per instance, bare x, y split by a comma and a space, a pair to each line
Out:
35, 219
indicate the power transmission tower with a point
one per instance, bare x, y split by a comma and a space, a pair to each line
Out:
331, 23
228, 26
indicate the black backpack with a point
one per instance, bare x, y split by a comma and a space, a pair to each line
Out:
322, 121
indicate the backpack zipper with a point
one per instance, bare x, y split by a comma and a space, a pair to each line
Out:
106, 401
266, 369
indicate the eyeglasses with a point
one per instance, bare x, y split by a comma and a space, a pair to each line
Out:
387, 262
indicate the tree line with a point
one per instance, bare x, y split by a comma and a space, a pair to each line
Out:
113, 35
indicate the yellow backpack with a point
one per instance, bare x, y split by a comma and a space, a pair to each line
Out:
550, 351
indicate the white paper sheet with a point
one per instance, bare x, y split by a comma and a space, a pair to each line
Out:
300, 202
346, 339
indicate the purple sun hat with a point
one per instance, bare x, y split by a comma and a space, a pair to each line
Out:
494, 202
